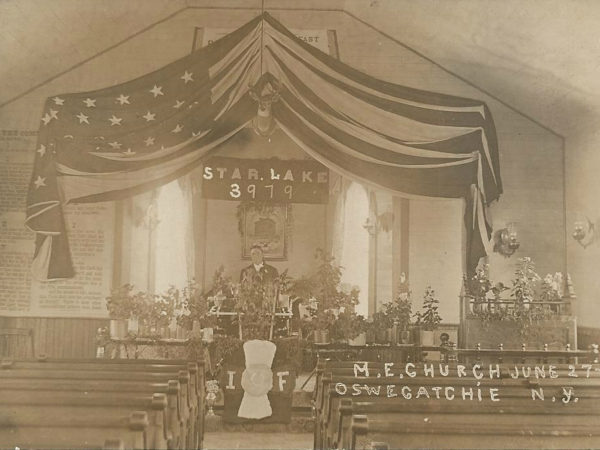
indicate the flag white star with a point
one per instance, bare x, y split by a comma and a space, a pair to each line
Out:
41, 150
115, 120
39, 182
178, 104
115, 144
149, 116
187, 76
59, 101
123, 99
156, 91
46, 118
83, 118
129, 152
90, 103
196, 134
149, 141
177, 129
53, 114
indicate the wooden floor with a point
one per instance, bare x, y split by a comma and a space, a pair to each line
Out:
244, 440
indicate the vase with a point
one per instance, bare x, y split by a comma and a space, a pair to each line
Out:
390, 336
133, 325
321, 336
207, 334
405, 337
118, 328
359, 340
426, 338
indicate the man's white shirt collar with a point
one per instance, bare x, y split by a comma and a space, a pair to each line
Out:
257, 267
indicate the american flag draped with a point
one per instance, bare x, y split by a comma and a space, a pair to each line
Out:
119, 141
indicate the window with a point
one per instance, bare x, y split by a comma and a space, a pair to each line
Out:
355, 253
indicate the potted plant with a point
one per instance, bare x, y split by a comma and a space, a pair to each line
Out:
122, 304
358, 333
391, 324
326, 299
400, 312
428, 318
255, 305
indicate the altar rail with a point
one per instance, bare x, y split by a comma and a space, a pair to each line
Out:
449, 353
492, 321
471, 305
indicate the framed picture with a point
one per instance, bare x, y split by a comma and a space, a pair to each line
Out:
266, 226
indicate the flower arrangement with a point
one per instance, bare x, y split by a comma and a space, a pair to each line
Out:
526, 308
255, 304
396, 313
428, 318
124, 303
331, 306
523, 288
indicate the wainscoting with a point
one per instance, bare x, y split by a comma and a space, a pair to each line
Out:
59, 338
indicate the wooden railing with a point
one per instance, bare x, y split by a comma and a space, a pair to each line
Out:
471, 305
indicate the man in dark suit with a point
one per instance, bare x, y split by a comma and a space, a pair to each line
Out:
258, 272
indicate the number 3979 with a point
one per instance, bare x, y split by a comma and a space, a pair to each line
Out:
252, 190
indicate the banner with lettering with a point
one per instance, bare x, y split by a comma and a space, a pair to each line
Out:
257, 390
270, 180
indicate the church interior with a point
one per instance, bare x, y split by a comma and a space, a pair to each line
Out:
316, 224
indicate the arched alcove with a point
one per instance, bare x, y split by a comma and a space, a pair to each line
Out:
355, 254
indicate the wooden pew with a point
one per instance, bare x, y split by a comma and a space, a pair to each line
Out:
176, 416
517, 403
186, 417
587, 390
39, 430
325, 416
19, 403
437, 429
196, 369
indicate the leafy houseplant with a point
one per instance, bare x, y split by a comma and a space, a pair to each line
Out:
123, 304
254, 305
392, 322
428, 318
328, 302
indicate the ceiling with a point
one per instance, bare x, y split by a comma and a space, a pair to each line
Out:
540, 56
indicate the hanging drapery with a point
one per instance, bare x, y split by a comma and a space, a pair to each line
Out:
118, 141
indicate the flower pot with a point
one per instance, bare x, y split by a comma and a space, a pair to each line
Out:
321, 336
381, 336
133, 325
181, 332
371, 336
405, 337
207, 334
390, 336
118, 328
426, 337
359, 340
